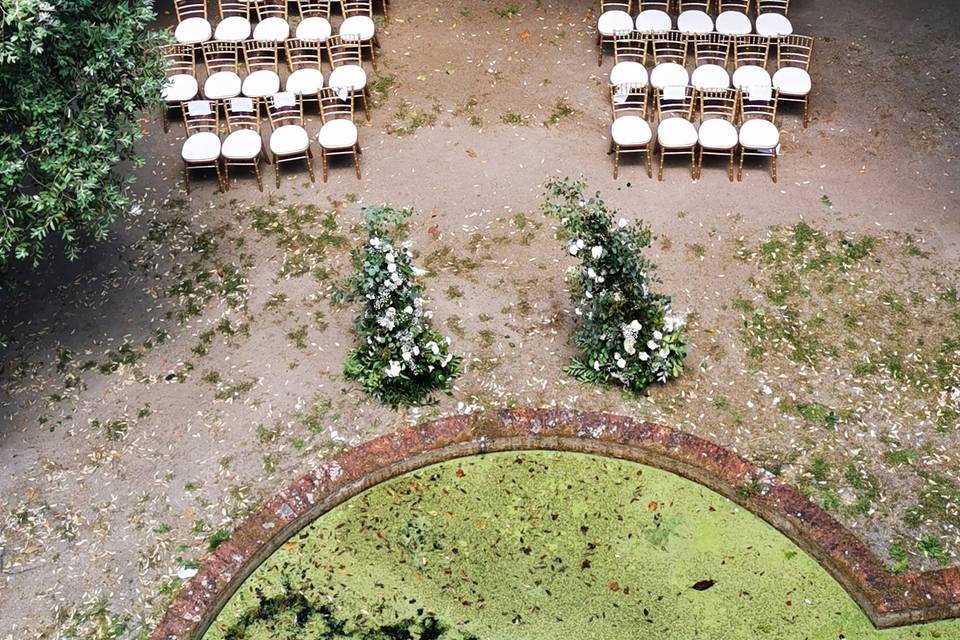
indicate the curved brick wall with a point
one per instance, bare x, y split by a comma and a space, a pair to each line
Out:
887, 600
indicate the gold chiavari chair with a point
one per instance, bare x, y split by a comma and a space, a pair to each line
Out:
346, 59
314, 20
303, 61
193, 27
358, 25
750, 56
654, 16
272, 25
630, 58
669, 50
759, 134
676, 134
289, 141
339, 135
732, 17
614, 18
243, 145
711, 53
717, 134
222, 60
630, 132
262, 61
234, 25
180, 84
201, 149
772, 18
694, 18
792, 78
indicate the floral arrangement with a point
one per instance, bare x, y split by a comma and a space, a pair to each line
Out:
399, 359
625, 332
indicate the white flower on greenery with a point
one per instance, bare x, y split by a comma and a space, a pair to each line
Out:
408, 309
599, 279
407, 356
417, 271
390, 257
578, 311
596, 252
622, 222
596, 365
657, 335
635, 326
391, 267
446, 360
652, 346
375, 243
591, 273
664, 352
672, 323
581, 244
643, 356
574, 249
434, 347
620, 361
393, 370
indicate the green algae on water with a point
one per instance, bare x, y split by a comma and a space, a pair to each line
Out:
539, 545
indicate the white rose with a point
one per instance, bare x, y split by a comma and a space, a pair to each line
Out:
580, 244
591, 274
596, 252
393, 370
391, 267
657, 335
635, 325
643, 356
621, 363
622, 222
574, 249
652, 346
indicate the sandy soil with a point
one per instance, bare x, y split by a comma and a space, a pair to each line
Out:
121, 462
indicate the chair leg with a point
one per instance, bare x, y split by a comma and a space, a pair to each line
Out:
648, 160
323, 162
693, 164
310, 165
216, 166
166, 117
740, 172
662, 156
730, 165
356, 160
226, 175
256, 171
373, 56
276, 171
616, 162
773, 166
186, 177
366, 106
599, 49
806, 111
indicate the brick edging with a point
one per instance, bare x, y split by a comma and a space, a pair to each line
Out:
887, 600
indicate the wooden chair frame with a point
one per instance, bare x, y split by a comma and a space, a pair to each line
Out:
261, 55
282, 116
304, 54
634, 104
725, 104
630, 46
796, 51
773, 6
234, 8
669, 46
766, 110
712, 48
695, 5
314, 8
333, 108
677, 109
237, 120
741, 6
186, 9
351, 8
271, 9
219, 55
610, 5
342, 52
178, 59
660, 5
751, 49
197, 124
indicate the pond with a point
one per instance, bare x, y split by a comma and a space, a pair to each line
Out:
543, 545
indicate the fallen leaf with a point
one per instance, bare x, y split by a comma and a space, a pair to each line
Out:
471, 153
652, 506
703, 585
524, 35
460, 472
614, 586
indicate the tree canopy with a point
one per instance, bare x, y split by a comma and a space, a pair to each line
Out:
74, 75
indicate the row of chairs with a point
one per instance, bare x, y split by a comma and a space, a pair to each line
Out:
713, 55
288, 141
729, 119
694, 17
236, 20
260, 64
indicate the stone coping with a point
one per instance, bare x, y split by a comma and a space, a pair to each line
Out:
887, 600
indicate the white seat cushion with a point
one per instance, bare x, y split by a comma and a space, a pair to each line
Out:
710, 76
349, 75
222, 84
192, 31
357, 28
337, 134
773, 24
242, 144
792, 81
676, 133
261, 84
717, 133
653, 21
693, 22
630, 131
201, 147
628, 73
609, 22
669, 74
272, 30
233, 29
733, 23
305, 82
759, 134
751, 76
315, 28
180, 87
289, 139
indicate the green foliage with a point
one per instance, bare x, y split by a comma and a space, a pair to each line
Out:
626, 333
74, 75
400, 359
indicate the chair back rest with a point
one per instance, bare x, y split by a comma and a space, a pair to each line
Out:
190, 9
200, 116
283, 109
694, 5
271, 9
341, 51
660, 5
773, 6
743, 6
357, 8
630, 46
303, 54
675, 102
242, 113
751, 49
234, 8
314, 8
669, 46
335, 104
758, 103
712, 48
221, 56
794, 51
178, 59
259, 56
629, 100
719, 103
